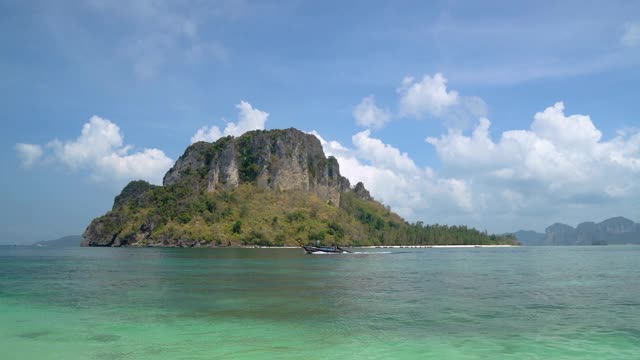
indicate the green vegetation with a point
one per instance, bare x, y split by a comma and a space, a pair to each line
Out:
249, 168
249, 216
133, 192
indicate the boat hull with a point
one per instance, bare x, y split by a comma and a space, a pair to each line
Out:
323, 250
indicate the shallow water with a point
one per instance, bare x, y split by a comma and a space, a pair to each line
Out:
474, 303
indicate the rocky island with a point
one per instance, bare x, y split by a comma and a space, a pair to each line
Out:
263, 188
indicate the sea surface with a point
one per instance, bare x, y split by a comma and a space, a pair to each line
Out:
472, 303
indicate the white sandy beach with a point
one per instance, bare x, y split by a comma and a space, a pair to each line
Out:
392, 246
433, 246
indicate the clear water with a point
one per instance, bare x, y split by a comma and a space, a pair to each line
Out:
514, 303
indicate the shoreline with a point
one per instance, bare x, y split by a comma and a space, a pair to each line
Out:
298, 247
384, 246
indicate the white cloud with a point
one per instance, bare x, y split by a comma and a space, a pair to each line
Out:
631, 36
205, 133
100, 149
418, 99
561, 162
557, 149
382, 155
99, 137
575, 131
367, 114
394, 178
426, 97
29, 153
150, 164
249, 118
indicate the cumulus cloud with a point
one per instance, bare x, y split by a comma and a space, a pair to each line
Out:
557, 148
100, 149
29, 153
382, 155
368, 114
574, 131
428, 96
249, 118
631, 35
560, 162
394, 178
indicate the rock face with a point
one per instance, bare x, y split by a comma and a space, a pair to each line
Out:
618, 225
275, 160
617, 230
560, 234
362, 192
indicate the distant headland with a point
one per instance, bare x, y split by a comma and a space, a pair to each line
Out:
616, 230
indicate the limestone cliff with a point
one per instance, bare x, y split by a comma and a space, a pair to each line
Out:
616, 230
279, 160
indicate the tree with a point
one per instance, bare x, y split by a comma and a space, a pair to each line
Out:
237, 227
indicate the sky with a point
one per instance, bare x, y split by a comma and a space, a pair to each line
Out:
501, 115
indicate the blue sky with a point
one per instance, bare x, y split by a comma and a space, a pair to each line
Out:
500, 115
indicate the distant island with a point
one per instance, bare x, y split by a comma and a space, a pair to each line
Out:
263, 188
616, 230
65, 241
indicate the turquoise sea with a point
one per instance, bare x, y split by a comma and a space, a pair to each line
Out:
473, 303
